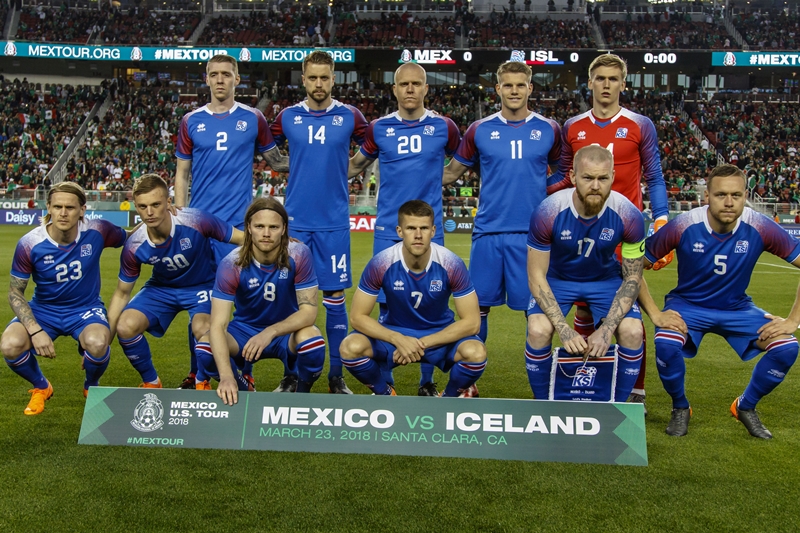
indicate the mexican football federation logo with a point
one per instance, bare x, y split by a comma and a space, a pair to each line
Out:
136, 54
148, 415
406, 57
584, 376
10, 49
729, 60
245, 55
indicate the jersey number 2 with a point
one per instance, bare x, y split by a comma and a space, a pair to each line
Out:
222, 138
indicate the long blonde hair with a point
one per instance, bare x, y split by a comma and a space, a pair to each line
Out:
65, 186
246, 255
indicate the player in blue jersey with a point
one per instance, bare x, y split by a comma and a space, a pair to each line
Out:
216, 144
63, 257
178, 247
718, 246
572, 257
319, 130
633, 141
272, 284
418, 278
411, 145
514, 149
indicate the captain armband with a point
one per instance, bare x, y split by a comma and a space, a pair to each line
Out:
632, 250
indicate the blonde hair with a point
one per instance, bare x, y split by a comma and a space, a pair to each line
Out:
69, 187
609, 60
148, 183
224, 58
514, 67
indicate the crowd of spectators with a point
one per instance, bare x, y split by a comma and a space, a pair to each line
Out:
298, 26
769, 30
61, 24
511, 31
37, 123
143, 26
397, 30
662, 31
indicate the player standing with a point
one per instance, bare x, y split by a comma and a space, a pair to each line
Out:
63, 257
513, 149
718, 246
319, 130
632, 140
179, 249
417, 277
572, 245
273, 286
216, 144
411, 144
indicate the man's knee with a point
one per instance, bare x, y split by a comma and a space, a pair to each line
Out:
471, 352
95, 340
130, 324
629, 333
302, 335
15, 340
201, 323
354, 346
540, 330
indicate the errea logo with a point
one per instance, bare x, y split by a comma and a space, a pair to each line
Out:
398, 286
48, 260
298, 120
495, 135
201, 128
581, 135
566, 235
253, 283
698, 247
390, 132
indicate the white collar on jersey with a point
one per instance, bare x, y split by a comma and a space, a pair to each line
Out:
499, 114
228, 112
334, 103
172, 219
609, 121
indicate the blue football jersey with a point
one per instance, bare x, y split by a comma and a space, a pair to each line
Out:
584, 249
513, 159
221, 148
265, 294
67, 276
411, 155
317, 196
417, 300
185, 259
714, 270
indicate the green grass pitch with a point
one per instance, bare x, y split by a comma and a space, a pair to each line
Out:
717, 478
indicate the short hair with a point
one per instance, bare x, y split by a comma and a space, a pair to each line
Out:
318, 57
724, 171
224, 58
149, 182
609, 60
246, 254
594, 153
417, 65
514, 67
69, 187
415, 208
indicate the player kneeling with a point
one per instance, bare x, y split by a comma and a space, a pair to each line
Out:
718, 246
417, 277
572, 244
272, 284
63, 257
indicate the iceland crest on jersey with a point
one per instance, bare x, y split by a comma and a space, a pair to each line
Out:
607, 234
338, 120
186, 243
283, 274
428, 130
622, 133
86, 250
436, 285
536, 135
584, 376
741, 247
241, 125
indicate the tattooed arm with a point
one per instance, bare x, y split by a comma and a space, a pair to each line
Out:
276, 160
304, 317
42, 343
538, 263
600, 340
